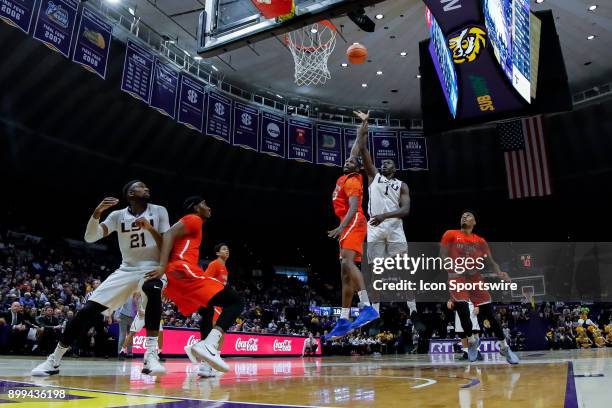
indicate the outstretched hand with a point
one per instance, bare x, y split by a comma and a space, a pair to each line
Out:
363, 116
105, 204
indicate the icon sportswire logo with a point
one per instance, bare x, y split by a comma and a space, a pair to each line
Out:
247, 345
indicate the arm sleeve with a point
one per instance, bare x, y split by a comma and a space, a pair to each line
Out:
111, 222
353, 187
93, 231
164, 220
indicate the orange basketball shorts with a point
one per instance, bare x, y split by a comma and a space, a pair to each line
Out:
354, 235
188, 288
477, 296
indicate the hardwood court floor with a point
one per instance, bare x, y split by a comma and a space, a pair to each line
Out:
543, 379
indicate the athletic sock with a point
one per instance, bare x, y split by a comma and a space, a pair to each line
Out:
59, 352
412, 306
151, 344
123, 350
344, 314
376, 307
363, 297
213, 338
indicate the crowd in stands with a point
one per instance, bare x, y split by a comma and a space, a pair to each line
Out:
44, 283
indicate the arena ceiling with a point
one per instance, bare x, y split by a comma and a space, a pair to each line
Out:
267, 66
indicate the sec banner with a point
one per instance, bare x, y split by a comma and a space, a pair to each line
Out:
191, 102
219, 116
246, 125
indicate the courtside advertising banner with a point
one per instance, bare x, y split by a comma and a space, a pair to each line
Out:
235, 344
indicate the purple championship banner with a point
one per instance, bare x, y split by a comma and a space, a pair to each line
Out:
300, 140
413, 147
17, 13
246, 126
329, 142
350, 134
446, 346
191, 102
272, 134
164, 88
384, 147
137, 69
55, 24
219, 116
93, 43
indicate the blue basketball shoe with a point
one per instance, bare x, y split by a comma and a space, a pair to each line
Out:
366, 315
341, 329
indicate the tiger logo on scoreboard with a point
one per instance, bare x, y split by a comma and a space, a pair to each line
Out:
467, 44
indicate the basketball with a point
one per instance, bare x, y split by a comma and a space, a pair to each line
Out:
357, 54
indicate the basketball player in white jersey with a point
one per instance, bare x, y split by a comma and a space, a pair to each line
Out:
139, 228
389, 202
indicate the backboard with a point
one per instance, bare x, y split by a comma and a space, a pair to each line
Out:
229, 24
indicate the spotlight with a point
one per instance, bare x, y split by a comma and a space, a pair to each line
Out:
593, 7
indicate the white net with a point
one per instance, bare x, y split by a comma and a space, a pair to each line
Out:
311, 47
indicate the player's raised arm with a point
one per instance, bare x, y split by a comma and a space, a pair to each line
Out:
363, 129
401, 212
96, 231
363, 143
178, 230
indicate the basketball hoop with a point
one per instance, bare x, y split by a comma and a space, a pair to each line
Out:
311, 47
529, 295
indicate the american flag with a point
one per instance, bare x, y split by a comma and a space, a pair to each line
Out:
525, 157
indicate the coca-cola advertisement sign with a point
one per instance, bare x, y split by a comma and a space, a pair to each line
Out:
237, 344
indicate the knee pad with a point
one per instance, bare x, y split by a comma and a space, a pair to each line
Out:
153, 287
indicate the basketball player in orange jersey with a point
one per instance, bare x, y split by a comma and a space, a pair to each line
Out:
188, 288
351, 233
463, 243
215, 270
